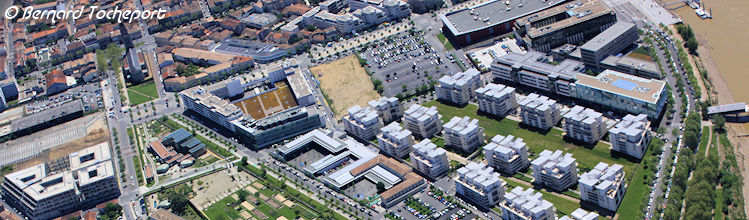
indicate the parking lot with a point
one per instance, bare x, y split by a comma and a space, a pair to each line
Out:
90, 94
406, 63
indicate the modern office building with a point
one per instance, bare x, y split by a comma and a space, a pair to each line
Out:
480, 185
259, 51
623, 92
429, 159
422, 121
539, 111
556, 170
569, 23
79, 181
463, 133
492, 18
519, 204
580, 214
507, 154
537, 71
362, 123
497, 99
459, 88
280, 126
630, 136
389, 109
584, 124
603, 186
608, 43
218, 110
395, 141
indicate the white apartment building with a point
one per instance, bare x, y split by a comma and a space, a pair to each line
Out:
556, 170
371, 15
463, 133
422, 121
479, 184
580, 214
362, 123
459, 88
630, 136
507, 154
497, 99
522, 204
394, 140
344, 23
539, 111
603, 186
388, 108
584, 124
210, 106
84, 180
429, 159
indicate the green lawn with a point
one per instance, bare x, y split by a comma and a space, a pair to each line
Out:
705, 138
637, 190
142, 93
222, 210
586, 156
443, 39
718, 204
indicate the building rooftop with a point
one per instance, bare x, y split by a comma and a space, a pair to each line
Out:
394, 131
733, 107
426, 148
553, 160
90, 155
95, 173
254, 49
574, 13
505, 144
193, 53
463, 125
581, 214
299, 85
382, 102
647, 90
496, 90
491, 13
525, 202
631, 125
421, 113
538, 102
47, 115
608, 35
603, 177
318, 136
460, 79
214, 103
582, 114
362, 115
480, 177
537, 62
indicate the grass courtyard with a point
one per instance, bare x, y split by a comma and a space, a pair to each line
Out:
255, 206
142, 93
586, 156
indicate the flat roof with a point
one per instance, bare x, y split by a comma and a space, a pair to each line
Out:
537, 62
605, 37
577, 12
491, 13
648, 90
733, 107
47, 115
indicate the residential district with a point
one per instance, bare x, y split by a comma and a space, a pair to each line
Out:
361, 109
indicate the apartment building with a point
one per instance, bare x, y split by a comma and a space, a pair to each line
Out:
584, 124
623, 93
630, 136
459, 88
519, 204
463, 133
603, 186
429, 159
79, 181
210, 106
497, 99
556, 170
580, 214
422, 121
507, 154
610, 42
362, 123
480, 185
394, 140
539, 111
388, 108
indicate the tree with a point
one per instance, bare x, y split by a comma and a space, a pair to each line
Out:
112, 211
242, 195
178, 203
719, 122
244, 161
692, 45
691, 140
380, 187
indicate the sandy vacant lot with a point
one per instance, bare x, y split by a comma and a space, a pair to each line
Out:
346, 83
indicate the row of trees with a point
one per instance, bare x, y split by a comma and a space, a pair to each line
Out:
686, 33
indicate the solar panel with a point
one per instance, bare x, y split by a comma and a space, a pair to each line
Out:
624, 84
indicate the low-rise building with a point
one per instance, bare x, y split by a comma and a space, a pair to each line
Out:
429, 159
480, 185
422, 121
539, 111
463, 133
394, 140
362, 123
630, 136
497, 99
556, 170
522, 204
584, 124
459, 88
507, 154
603, 186
388, 108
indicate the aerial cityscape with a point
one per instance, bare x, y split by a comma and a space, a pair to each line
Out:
374, 109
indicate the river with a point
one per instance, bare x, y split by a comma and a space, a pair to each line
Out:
728, 41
